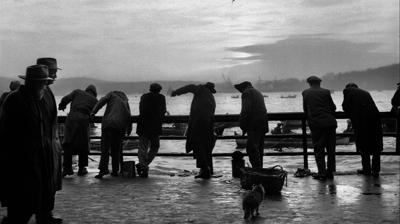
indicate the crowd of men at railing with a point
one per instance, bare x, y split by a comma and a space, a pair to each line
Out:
30, 155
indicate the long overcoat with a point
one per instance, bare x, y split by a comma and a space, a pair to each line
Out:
201, 119
52, 138
26, 158
118, 113
77, 130
364, 115
319, 108
253, 115
152, 109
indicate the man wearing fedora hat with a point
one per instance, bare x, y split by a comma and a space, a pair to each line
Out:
152, 109
51, 124
253, 121
27, 186
319, 109
200, 133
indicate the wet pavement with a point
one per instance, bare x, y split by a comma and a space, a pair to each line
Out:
164, 198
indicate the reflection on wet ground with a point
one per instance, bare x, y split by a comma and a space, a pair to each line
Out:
173, 199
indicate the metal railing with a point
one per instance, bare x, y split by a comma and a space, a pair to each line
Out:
298, 116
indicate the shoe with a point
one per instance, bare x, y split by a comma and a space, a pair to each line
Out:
320, 177
54, 220
67, 172
139, 169
145, 172
82, 171
101, 174
375, 174
114, 173
204, 174
363, 172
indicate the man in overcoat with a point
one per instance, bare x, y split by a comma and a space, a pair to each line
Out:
115, 124
200, 132
319, 109
77, 128
27, 186
253, 121
364, 115
51, 137
152, 108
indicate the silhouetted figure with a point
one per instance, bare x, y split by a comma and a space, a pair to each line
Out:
200, 134
319, 108
116, 123
14, 85
253, 121
27, 182
152, 109
50, 123
360, 107
77, 128
396, 101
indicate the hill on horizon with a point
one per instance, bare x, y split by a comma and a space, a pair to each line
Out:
382, 78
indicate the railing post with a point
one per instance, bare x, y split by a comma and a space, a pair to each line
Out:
304, 134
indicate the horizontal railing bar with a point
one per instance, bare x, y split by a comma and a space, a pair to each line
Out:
265, 154
225, 137
235, 117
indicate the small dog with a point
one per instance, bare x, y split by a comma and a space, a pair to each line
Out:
252, 201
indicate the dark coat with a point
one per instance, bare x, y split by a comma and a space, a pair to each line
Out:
364, 115
396, 101
201, 120
3, 97
319, 108
152, 109
52, 138
77, 130
117, 115
26, 156
253, 115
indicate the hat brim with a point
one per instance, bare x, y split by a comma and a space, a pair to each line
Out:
44, 79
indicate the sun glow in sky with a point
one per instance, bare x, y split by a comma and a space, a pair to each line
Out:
132, 40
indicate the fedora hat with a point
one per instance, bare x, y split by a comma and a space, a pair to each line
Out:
51, 63
36, 73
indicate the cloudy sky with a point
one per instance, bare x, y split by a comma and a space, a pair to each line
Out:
132, 40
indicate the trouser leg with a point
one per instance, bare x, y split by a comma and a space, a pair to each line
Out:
105, 147
142, 151
116, 151
18, 215
154, 146
365, 162
261, 148
67, 158
318, 142
83, 159
253, 149
331, 148
376, 163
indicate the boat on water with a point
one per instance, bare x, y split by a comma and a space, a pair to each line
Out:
279, 143
289, 96
235, 96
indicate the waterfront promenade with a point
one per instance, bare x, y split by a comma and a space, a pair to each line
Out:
168, 198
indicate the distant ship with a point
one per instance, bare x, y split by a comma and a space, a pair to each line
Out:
289, 96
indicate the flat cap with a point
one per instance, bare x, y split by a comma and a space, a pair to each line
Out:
313, 79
